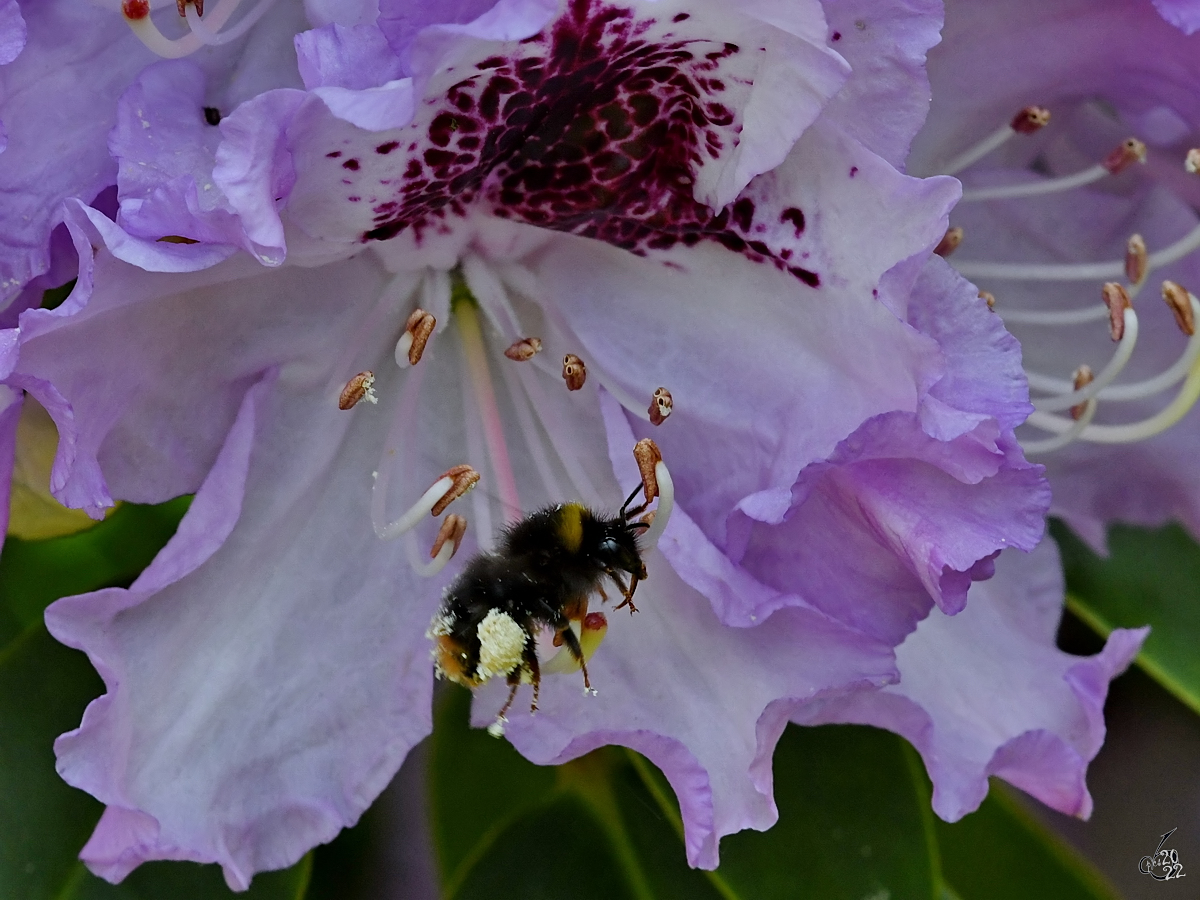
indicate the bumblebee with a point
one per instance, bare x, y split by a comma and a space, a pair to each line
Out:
539, 577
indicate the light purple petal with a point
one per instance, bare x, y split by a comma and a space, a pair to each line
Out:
10, 413
229, 653
12, 31
885, 101
986, 692
354, 58
1183, 14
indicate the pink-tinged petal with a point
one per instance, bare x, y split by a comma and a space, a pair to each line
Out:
1183, 14
704, 702
233, 730
12, 31
884, 103
986, 692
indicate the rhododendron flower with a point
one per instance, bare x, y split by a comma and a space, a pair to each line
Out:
655, 195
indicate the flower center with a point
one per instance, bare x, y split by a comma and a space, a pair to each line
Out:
1040, 213
435, 375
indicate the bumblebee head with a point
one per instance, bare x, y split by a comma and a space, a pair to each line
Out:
618, 549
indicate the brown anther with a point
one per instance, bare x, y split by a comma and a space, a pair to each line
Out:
1082, 378
524, 349
1191, 162
949, 242
419, 327
357, 389
1030, 119
1180, 302
1116, 298
648, 518
453, 528
661, 405
1136, 259
182, 5
1131, 150
464, 478
648, 456
574, 372
989, 298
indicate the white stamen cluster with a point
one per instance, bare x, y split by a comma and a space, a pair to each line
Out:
1080, 397
203, 31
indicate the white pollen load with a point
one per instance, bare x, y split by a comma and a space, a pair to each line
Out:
501, 643
442, 624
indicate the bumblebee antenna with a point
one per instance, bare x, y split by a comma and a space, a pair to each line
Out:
628, 500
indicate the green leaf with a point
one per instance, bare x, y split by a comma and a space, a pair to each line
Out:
35, 573
1152, 577
1001, 852
853, 823
191, 881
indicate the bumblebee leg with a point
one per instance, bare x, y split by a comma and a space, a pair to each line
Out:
512, 695
626, 592
572, 642
530, 663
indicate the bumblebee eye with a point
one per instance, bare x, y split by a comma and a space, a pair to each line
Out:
608, 545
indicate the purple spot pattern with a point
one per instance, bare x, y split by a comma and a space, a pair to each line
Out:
593, 127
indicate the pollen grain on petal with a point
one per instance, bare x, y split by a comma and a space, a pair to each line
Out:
1130, 151
574, 372
949, 242
989, 298
524, 349
661, 405
1116, 298
1030, 119
359, 388
1177, 297
1137, 260
463, 478
648, 457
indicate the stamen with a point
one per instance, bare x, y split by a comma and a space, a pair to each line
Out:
1077, 425
1136, 260
452, 485
989, 298
1027, 121
360, 387
1082, 378
525, 349
574, 372
1130, 151
485, 399
1180, 301
666, 504
661, 405
445, 545
648, 457
1191, 162
411, 346
137, 17
949, 242
1116, 298
181, 7
1092, 387
209, 35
